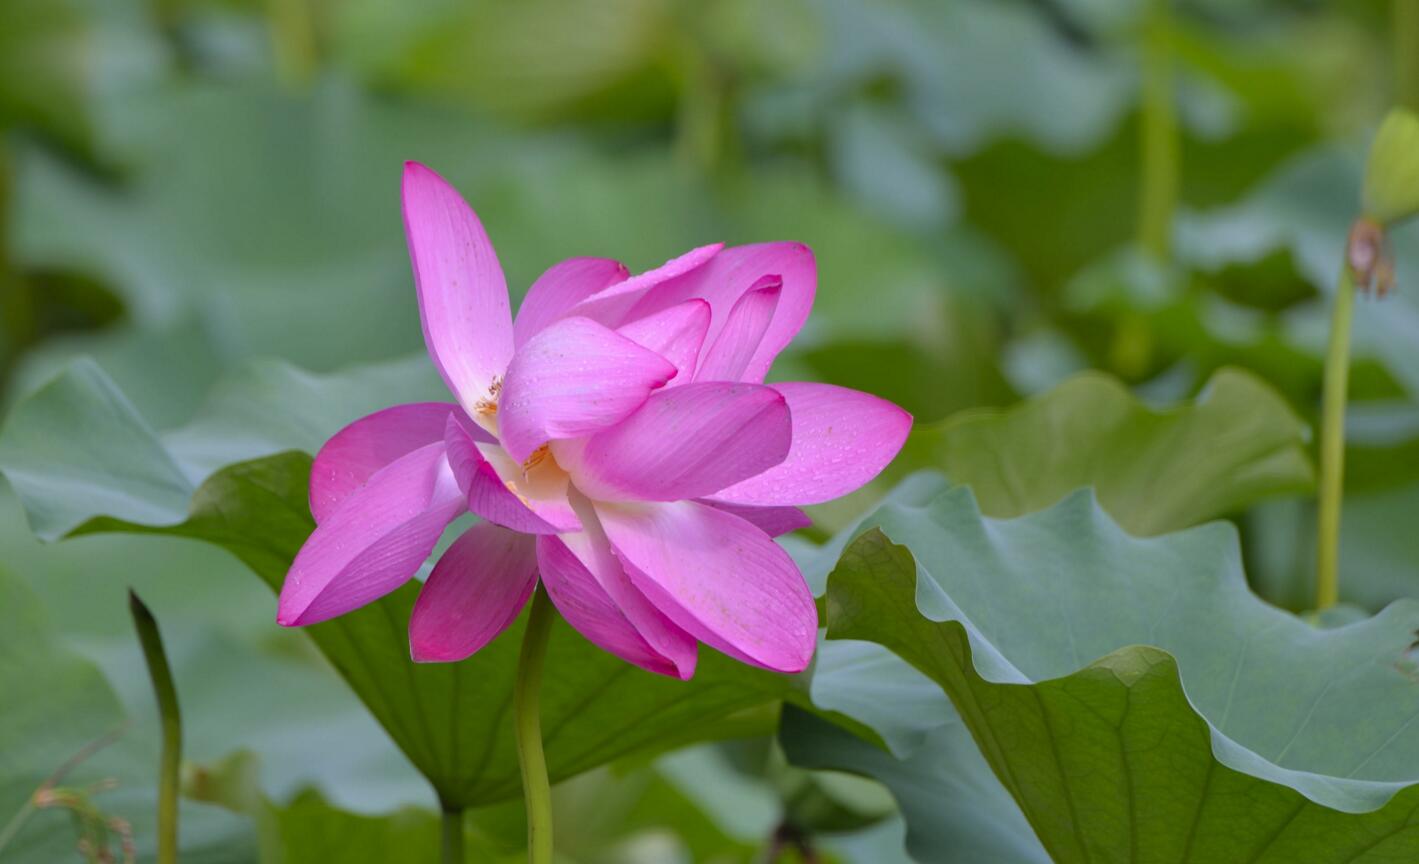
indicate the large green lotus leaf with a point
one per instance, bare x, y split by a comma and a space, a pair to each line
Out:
1137, 701
56, 707
82, 461
1154, 470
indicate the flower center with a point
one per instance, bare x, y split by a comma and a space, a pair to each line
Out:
487, 407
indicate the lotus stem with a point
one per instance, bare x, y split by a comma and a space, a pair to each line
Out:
1406, 52
161, 674
1158, 136
452, 836
536, 789
1332, 443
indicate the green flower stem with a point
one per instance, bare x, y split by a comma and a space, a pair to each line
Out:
527, 716
1406, 52
293, 40
1332, 443
452, 840
161, 674
1158, 136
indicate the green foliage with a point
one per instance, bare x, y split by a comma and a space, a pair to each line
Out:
197, 193
1154, 470
595, 708
70, 766
1117, 750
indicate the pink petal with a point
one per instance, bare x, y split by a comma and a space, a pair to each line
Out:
773, 521
675, 334
563, 286
348, 459
685, 442
732, 273
841, 440
463, 300
476, 590
489, 495
729, 357
611, 305
718, 577
583, 599
571, 379
374, 541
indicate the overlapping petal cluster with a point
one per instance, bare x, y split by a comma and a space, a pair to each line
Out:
616, 440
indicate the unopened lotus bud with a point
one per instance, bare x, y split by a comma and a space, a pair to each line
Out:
1392, 176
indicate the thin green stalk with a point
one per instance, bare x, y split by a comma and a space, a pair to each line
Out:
161, 674
536, 790
1158, 137
293, 40
452, 844
1406, 52
1332, 443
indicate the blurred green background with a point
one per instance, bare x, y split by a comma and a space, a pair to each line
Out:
190, 186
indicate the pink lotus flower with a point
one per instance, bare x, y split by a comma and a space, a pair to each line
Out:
618, 443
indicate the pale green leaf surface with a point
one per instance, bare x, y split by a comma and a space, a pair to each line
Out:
1242, 734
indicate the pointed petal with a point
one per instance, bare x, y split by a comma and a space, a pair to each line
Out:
611, 305
773, 521
675, 334
463, 300
563, 286
685, 442
728, 276
354, 453
374, 541
588, 606
573, 378
490, 496
841, 440
729, 357
475, 591
718, 577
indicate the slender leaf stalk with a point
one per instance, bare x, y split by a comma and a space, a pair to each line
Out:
1332, 443
1406, 52
161, 674
1158, 136
293, 40
535, 787
452, 840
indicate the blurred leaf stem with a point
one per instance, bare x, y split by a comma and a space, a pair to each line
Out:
1158, 136
527, 711
293, 40
451, 842
1406, 52
161, 674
